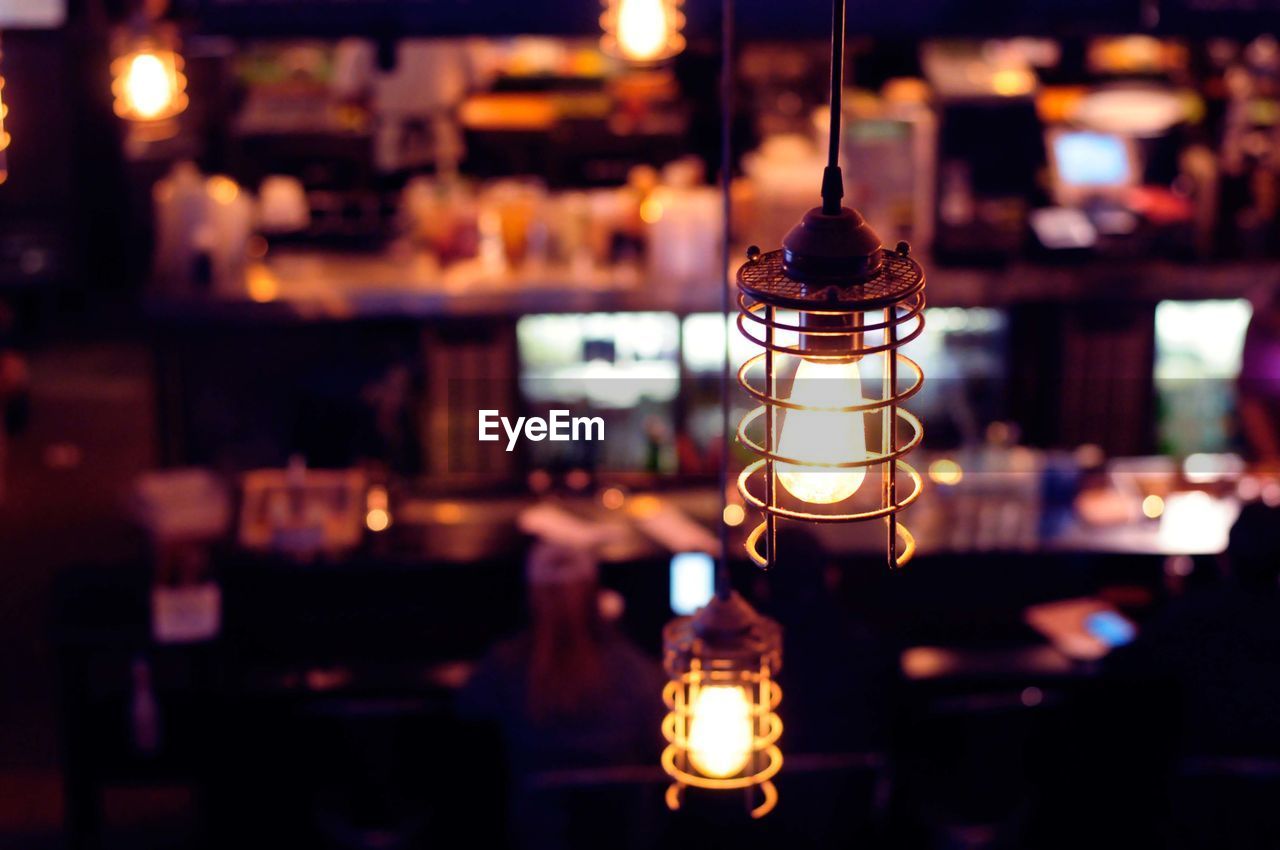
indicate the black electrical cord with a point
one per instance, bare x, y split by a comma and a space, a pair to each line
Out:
723, 585
832, 181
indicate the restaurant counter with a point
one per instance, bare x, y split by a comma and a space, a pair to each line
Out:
293, 285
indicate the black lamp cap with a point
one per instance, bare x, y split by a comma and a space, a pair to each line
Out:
826, 249
725, 619
725, 633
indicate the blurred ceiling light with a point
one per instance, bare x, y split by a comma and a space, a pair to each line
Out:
1133, 110
946, 472
147, 79
223, 189
1013, 82
4, 136
377, 505
642, 31
651, 209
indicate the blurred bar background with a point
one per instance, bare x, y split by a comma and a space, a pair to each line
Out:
263, 261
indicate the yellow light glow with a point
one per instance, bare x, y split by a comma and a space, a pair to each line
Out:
946, 472
734, 515
4, 139
651, 210
644, 505
818, 436
448, 513
377, 519
644, 28
4, 113
223, 189
149, 87
1011, 82
720, 732
261, 283
1152, 506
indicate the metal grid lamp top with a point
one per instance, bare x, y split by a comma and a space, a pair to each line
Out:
763, 278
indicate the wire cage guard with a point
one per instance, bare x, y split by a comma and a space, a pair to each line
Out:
834, 322
722, 726
642, 32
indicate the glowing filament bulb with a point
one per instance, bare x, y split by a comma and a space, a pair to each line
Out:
644, 28
149, 88
818, 436
4, 140
720, 731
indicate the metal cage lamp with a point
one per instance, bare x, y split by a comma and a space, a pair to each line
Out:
722, 725
832, 300
148, 83
4, 136
642, 31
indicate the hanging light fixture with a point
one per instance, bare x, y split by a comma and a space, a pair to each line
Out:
832, 302
147, 80
642, 31
722, 725
4, 135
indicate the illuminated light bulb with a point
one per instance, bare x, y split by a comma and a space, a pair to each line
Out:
823, 435
720, 733
147, 85
644, 28
4, 139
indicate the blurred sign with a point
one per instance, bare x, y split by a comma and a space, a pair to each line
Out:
32, 14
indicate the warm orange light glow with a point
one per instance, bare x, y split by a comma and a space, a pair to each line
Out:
946, 472
651, 210
377, 520
612, 498
1011, 82
4, 137
261, 283
734, 515
720, 731
644, 505
378, 517
722, 734
448, 513
823, 436
149, 84
222, 189
643, 30
1152, 506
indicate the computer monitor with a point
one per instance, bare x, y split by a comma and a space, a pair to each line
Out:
1086, 164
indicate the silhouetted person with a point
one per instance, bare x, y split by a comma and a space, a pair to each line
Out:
1198, 737
1219, 647
570, 692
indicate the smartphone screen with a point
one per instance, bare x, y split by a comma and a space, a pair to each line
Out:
1111, 628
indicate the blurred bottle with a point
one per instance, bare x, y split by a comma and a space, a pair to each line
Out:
144, 710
